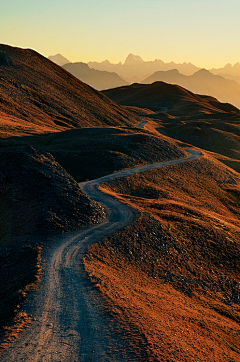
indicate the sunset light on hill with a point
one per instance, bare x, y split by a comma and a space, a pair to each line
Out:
120, 181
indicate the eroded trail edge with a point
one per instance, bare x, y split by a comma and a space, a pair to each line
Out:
68, 324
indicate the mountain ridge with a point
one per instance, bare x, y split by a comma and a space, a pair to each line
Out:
171, 98
98, 79
229, 71
202, 82
135, 66
37, 96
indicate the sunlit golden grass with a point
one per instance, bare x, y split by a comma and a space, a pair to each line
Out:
38, 96
174, 325
176, 279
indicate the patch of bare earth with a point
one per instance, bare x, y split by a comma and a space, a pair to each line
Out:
173, 275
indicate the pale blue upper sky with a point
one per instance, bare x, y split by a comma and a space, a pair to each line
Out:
204, 32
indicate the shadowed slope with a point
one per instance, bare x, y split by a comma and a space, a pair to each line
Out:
38, 199
89, 153
38, 96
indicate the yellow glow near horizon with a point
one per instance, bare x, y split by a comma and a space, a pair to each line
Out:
205, 33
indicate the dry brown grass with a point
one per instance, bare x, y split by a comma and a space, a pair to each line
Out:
194, 119
21, 321
174, 275
13, 126
175, 327
89, 153
36, 93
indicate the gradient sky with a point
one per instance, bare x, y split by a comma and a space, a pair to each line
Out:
204, 32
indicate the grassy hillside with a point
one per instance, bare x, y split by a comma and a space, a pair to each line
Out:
174, 274
197, 120
201, 82
164, 97
89, 153
171, 279
217, 133
37, 96
40, 199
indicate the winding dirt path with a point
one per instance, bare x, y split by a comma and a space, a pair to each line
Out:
69, 324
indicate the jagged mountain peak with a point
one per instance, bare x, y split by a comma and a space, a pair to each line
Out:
133, 59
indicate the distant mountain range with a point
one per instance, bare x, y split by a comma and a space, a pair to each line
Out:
229, 69
202, 82
222, 83
135, 69
95, 78
229, 72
